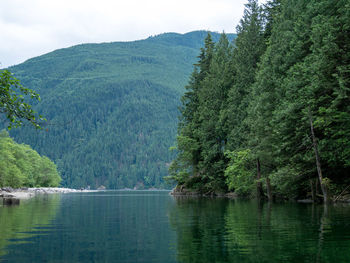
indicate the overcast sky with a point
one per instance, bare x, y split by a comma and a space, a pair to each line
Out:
30, 28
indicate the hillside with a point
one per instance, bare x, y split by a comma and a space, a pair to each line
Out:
111, 108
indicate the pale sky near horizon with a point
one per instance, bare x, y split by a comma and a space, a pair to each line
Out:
30, 28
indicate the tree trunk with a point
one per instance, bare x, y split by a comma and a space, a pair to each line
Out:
317, 157
322, 232
313, 192
268, 189
259, 190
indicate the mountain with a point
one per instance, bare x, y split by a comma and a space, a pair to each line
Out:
111, 108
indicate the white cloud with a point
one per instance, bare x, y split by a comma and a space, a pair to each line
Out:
32, 28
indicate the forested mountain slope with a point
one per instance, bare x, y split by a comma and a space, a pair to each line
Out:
111, 108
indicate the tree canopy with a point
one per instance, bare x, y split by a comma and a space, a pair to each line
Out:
272, 108
22, 166
13, 105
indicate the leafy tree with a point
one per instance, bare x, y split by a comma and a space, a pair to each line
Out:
239, 175
22, 166
13, 101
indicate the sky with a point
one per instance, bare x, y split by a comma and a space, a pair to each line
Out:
29, 28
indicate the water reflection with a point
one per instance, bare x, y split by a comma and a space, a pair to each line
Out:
154, 227
113, 226
200, 229
32, 217
221, 230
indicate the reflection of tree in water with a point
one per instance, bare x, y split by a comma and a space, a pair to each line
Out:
265, 232
199, 225
17, 223
220, 230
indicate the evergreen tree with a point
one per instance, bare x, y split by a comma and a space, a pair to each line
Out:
186, 166
250, 44
276, 106
212, 98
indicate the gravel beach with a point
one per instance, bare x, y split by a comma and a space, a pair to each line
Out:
25, 193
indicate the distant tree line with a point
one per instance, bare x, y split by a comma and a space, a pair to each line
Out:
269, 115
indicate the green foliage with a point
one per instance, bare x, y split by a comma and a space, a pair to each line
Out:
200, 139
239, 173
180, 169
303, 77
112, 108
22, 166
288, 72
286, 181
215, 105
249, 46
13, 101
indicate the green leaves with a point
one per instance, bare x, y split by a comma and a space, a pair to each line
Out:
200, 139
22, 166
291, 61
13, 101
239, 173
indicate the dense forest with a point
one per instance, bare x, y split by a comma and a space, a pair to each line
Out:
22, 166
111, 108
269, 115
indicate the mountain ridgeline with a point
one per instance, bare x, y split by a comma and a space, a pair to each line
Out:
111, 108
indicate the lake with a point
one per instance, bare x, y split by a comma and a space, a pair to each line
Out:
152, 226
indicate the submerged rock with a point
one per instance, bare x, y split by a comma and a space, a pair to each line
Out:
10, 201
180, 190
306, 201
231, 195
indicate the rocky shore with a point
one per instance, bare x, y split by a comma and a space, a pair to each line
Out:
181, 191
25, 193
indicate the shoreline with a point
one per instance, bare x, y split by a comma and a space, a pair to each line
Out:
182, 192
26, 193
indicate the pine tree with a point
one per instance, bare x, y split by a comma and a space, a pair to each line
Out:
185, 166
212, 97
250, 44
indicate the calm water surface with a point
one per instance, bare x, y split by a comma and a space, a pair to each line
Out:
151, 226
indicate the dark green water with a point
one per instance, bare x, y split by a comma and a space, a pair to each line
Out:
146, 226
